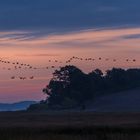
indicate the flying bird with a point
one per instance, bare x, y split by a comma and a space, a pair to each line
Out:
13, 77
32, 77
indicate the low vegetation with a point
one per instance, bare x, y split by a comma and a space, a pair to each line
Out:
104, 134
69, 126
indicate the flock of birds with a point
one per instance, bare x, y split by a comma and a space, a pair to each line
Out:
92, 59
20, 66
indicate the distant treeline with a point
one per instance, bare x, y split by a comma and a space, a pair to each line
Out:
70, 87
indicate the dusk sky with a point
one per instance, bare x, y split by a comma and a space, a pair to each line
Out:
36, 31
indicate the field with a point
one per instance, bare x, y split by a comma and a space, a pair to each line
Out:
69, 126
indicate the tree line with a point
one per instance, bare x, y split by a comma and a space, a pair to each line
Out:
70, 87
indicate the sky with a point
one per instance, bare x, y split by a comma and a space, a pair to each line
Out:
36, 31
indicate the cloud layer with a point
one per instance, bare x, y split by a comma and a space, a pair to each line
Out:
66, 15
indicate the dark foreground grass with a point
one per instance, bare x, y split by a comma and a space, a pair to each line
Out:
69, 134
69, 126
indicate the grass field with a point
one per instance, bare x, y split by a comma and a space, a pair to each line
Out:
69, 126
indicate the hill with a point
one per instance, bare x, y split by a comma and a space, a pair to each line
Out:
16, 106
124, 101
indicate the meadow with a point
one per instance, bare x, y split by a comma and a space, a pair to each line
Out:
69, 125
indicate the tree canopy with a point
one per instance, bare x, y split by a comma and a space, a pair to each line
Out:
70, 87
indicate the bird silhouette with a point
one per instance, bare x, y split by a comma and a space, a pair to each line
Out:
32, 77
13, 77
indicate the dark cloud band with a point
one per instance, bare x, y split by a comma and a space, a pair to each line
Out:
62, 15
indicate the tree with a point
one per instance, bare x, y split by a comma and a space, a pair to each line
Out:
116, 78
96, 80
68, 83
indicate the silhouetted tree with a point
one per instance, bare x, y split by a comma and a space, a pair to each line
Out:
96, 80
116, 78
69, 83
